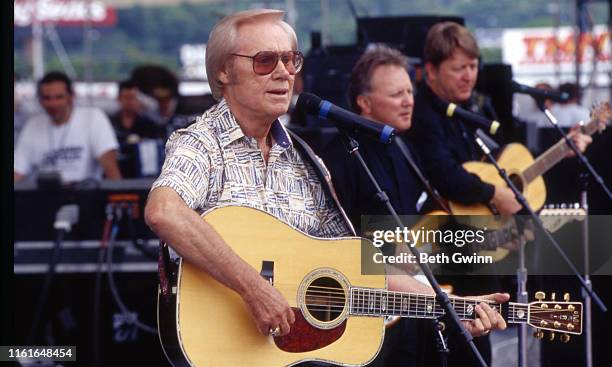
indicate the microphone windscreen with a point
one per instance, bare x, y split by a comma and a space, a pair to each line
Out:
308, 102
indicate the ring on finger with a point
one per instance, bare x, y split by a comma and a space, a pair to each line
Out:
275, 331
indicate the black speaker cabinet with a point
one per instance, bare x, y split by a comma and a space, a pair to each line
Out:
68, 317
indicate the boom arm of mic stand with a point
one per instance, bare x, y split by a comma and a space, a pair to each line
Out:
409, 158
521, 199
553, 120
441, 297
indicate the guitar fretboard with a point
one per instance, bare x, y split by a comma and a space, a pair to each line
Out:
554, 155
378, 302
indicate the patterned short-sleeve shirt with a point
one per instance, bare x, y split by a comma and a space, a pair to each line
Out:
212, 163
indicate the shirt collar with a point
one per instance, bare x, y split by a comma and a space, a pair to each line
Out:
230, 131
280, 135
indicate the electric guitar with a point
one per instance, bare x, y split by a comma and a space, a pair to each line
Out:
339, 311
500, 231
495, 240
525, 172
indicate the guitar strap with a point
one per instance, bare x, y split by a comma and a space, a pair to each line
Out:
166, 270
307, 153
167, 267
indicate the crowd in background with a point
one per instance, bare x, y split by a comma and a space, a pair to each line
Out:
148, 108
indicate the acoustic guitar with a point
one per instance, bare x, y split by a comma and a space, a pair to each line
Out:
339, 311
525, 171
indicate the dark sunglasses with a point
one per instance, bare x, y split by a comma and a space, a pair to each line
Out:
264, 62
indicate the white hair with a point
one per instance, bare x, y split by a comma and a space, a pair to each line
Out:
223, 41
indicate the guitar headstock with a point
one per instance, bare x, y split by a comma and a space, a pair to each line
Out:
556, 216
601, 114
553, 316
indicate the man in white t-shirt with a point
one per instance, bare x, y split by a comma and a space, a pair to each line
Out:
77, 142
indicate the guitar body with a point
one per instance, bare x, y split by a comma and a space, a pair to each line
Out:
339, 312
207, 324
514, 158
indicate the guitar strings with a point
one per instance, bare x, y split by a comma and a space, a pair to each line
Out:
437, 314
390, 299
365, 308
392, 305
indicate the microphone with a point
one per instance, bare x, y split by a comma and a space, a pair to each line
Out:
452, 109
538, 93
490, 143
344, 119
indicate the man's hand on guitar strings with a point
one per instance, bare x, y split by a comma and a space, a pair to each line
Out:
582, 141
504, 200
268, 308
488, 319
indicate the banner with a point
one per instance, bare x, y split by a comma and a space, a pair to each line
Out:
63, 12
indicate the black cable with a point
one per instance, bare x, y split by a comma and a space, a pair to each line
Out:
138, 242
44, 294
98, 286
96, 307
112, 285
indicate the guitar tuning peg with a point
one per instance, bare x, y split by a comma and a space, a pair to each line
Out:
564, 338
553, 296
539, 334
566, 297
551, 337
539, 295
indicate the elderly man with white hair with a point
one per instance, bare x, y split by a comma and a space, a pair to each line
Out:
238, 153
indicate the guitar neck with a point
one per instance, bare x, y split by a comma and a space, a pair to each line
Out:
554, 155
380, 302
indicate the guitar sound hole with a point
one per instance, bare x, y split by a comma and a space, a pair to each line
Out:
325, 299
517, 181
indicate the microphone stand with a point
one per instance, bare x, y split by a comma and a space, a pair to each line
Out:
584, 181
401, 145
581, 158
522, 271
441, 297
521, 199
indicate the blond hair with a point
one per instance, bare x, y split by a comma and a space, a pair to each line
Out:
223, 41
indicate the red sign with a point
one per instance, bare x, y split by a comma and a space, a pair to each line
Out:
63, 12
563, 49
